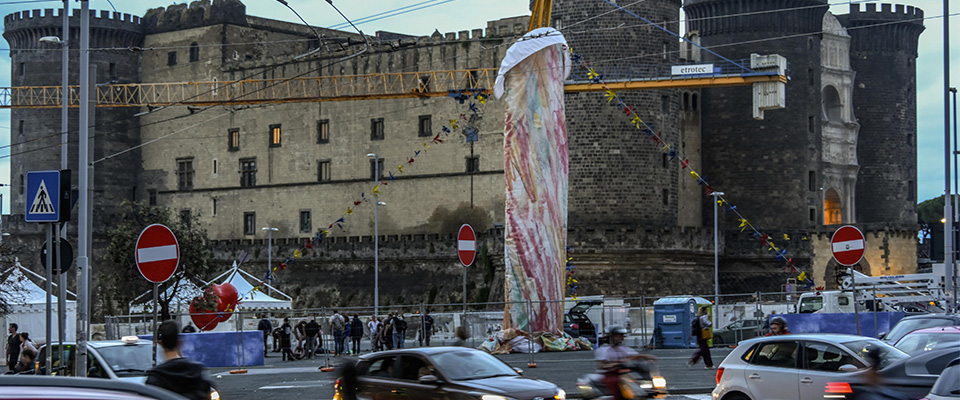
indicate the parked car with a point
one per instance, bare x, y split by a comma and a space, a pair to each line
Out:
927, 339
442, 372
577, 316
127, 360
61, 388
914, 322
737, 331
948, 385
800, 367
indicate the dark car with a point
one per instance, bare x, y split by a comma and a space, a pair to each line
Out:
736, 331
443, 372
914, 322
576, 323
64, 388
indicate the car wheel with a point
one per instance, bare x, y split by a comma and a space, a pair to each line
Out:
736, 396
718, 340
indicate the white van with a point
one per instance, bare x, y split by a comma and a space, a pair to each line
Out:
831, 301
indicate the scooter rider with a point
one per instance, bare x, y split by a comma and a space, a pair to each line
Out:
612, 355
778, 326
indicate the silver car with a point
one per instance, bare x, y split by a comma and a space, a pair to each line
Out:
797, 366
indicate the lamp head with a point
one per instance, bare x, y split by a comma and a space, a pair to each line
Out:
51, 39
372, 155
381, 203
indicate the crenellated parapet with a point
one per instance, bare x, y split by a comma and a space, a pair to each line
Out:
24, 29
895, 27
718, 17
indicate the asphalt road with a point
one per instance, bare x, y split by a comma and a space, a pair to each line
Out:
303, 380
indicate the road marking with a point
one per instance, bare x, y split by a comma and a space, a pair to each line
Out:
297, 385
270, 371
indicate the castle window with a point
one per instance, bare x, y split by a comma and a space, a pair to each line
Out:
323, 171
832, 208
185, 173
909, 139
113, 71
473, 164
20, 128
911, 191
23, 69
832, 106
249, 223
812, 181
214, 166
424, 128
694, 101
686, 100
813, 215
194, 52
665, 104
323, 131
811, 120
666, 197
233, 139
275, 135
665, 159
23, 184
248, 172
665, 46
172, 58
214, 206
376, 169
305, 221
376, 129
152, 197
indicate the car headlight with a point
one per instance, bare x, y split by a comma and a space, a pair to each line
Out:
214, 395
659, 382
561, 395
492, 397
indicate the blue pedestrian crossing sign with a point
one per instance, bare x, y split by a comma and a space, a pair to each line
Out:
46, 194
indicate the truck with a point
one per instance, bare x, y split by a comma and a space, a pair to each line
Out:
907, 293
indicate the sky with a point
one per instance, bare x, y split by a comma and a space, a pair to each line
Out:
422, 17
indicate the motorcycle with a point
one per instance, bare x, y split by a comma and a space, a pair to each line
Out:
638, 380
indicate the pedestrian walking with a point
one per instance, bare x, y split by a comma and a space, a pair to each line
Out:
286, 334
356, 332
336, 325
266, 327
347, 335
700, 328
177, 374
386, 333
374, 326
13, 347
426, 328
313, 330
399, 330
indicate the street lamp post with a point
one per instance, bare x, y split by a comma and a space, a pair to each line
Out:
716, 257
376, 238
956, 200
270, 232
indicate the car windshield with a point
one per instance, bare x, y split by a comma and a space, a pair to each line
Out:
811, 304
468, 364
909, 325
947, 386
128, 360
888, 354
915, 343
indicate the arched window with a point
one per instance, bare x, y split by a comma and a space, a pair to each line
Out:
832, 208
832, 107
194, 52
686, 101
694, 100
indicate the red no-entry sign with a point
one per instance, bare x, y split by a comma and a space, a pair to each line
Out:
848, 245
157, 253
466, 245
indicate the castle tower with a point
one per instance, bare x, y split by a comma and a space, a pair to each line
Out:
617, 176
883, 51
35, 133
768, 168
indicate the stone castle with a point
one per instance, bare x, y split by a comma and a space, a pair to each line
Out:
842, 152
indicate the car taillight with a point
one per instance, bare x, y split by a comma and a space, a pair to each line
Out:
719, 374
838, 387
575, 326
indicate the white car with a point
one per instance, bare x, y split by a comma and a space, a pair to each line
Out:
797, 366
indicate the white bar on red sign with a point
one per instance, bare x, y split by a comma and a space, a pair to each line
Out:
466, 245
158, 253
848, 245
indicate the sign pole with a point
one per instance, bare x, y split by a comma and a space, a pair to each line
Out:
61, 299
49, 288
156, 339
464, 290
853, 286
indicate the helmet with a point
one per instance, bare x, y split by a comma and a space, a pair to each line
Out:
778, 320
616, 330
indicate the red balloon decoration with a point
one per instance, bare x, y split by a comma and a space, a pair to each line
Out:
227, 299
204, 322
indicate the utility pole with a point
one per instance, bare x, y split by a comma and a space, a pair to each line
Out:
83, 234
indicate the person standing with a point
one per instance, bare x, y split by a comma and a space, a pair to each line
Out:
356, 332
347, 335
336, 325
286, 333
701, 330
399, 330
386, 333
426, 328
13, 347
26, 343
177, 374
313, 330
374, 326
266, 327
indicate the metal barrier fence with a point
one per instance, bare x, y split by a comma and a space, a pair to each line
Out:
477, 322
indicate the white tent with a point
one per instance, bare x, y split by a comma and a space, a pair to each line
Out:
186, 291
29, 303
251, 299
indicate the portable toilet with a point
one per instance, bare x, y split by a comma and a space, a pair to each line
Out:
672, 318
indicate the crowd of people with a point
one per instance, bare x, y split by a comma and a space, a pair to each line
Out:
305, 338
21, 352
